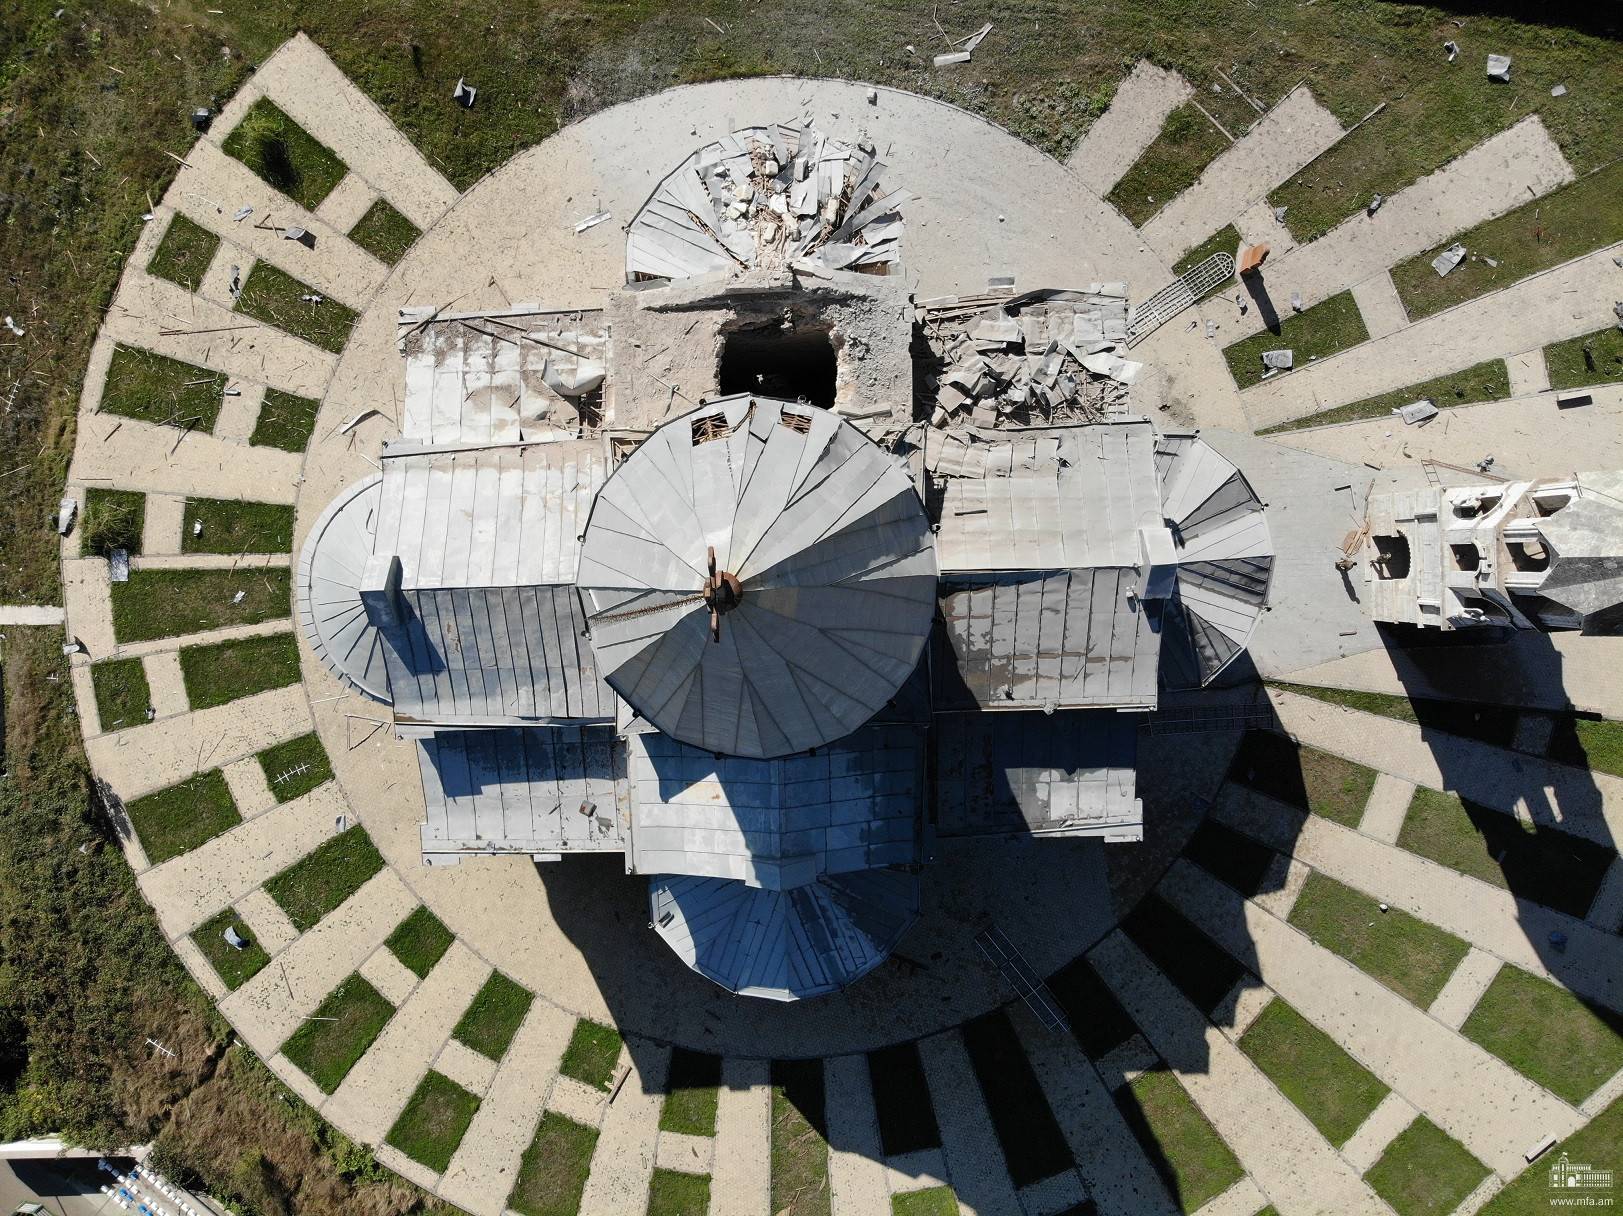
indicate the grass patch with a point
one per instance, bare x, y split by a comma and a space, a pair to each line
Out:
901, 1098
691, 1093
1201, 969
1034, 1148
1546, 1033
1425, 1171
1315, 333
1302, 776
1187, 143
1243, 863
1224, 240
434, 1122
178, 819
234, 526
552, 1174
122, 695
324, 878
384, 232
1332, 1089
223, 671
1599, 1143
1098, 1022
931, 1201
420, 941
673, 1193
799, 1139
1495, 724
1588, 743
284, 154
490, 1022
276, 298
1539, 863
1409, 956
234, 967
1184, 1149
1567, 223
150, 387
1595, 358
285, 421
169, 603
1485, 381
184, 253
593, 1051
330, 1041
113, 519
295, 767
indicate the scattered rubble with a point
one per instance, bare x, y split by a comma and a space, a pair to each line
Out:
1448, 259
12, 325
1560, 90
1417, 411
1499, 68
118, 566
1375, 204
242, 213
592, 221
1279, 360
1452, 50
202, 117
66, 512
464, 93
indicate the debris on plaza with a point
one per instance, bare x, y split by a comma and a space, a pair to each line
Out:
66, 511
1452, 50
464, 93
592, 221
1417, 411
118, 566
1278, 360
1448, 259
1499, 68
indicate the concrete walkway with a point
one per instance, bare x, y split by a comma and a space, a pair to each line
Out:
856, 1160
1290, 135
1135, 117
31, 614
974, 1160
624, 1161
740, 1183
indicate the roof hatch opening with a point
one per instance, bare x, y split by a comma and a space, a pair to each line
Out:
792, 364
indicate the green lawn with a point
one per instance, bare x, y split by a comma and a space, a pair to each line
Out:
419, 941
1425, 1172
330, 1041
592, 1053
384, 232
434, 1122
1033, 1146
150, 387
178, 819
170, 603
184, 253
931, 1201
1589, 743
1186, 144
1495, 724
295, 767
224, 671
285, 421
1486, 381
902, 1103
692, 1089
284, 154
235, 526
672, 1193
490, 1022
1542, 863
552, 1174
324, 878
113, 519
1565, 224
1598, 1143
1225, 240
277, 298
1302, 776
1184, 1149
1316, 332
1595, 358
1332, 1089
1409, 956
122, 695
234, 967
799, 1167
1545, 1032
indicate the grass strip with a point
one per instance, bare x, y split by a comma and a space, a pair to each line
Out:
493, 1017
1495, 724
1317, 332
1586, 742
1547, 1033
1302, 776
673, 1193
384, 232
1485, 381
931, 1201
1033, 1146
593, 1051
150, 387
234, 526
1588, 359
176, 820
223, 671
284, 154
285, 421
295, 766
1185, 145
692, 1091
901, 1095
169, 603
122, 694
113, 519
552, 1174
1183, 1148
185, 252
1425, 1171
435, 1119
275, 297
1201, 969
330, 1041
325, 877
799, 1166
420, 941
234, 967
1332, 1089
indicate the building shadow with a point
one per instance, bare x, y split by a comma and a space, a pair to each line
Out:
1256, 287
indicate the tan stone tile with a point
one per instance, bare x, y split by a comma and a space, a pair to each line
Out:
467, 1067
390, 977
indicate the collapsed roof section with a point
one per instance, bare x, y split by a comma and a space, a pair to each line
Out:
775, 197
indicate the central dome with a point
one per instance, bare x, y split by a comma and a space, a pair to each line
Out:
759, 578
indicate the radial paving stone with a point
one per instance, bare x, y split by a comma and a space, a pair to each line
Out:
249, 788
1379, 306
1290, 135
624, 1161
1273, 1140
1497, 175
88, 607
740, 1183
482, 1170
968, 1142
1388, 803
1556, 304
266, 921
239, 413
143, 455
1367, 1144
856, 1170
1490, 919
161, 527
1471, 1094
1465, 988
187, 890
347, 202
1134, 118
395, 982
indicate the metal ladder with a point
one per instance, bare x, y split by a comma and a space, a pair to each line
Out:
1178, 295
1000, 952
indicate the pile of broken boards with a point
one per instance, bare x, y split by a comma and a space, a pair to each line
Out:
769, 197
1036, 359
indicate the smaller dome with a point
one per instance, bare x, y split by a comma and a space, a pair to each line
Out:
331, 564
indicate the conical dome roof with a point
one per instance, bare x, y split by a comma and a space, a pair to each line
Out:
759, 578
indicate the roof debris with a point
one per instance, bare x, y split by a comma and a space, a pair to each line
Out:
242, 213
13, 326
950, 58
593, 220
1452, 49
1560, 90
1448, 259
1417, 411
1499, 68
1375, 204
118, 566
464, 93
66, 511
1279, 360
1279, 214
